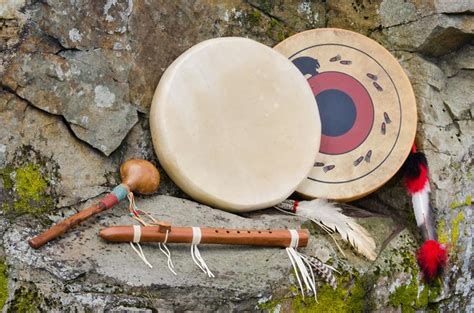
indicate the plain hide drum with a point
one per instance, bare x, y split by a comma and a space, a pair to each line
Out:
235, 124
367, 109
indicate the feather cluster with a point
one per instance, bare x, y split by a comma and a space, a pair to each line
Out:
330, 218
432, 256
323, 270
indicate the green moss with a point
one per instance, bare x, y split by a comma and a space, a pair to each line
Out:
413, 296
351, 295
443, 236
3, 283
5, 175
455, 228
254, 17
468, 200
27, 190
30, 188
271, 305
456, 204
25, 301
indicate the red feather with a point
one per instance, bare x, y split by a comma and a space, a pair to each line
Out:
416, 184
432, 258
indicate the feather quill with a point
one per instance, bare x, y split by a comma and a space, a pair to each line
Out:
330, 218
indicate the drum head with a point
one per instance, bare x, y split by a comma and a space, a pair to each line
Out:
235, 124
367, 109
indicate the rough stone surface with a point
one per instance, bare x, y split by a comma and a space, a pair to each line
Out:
57, 149
77, 79
243, 275
81, 86
432, 35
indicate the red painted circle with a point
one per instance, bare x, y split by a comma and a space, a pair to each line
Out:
355, 136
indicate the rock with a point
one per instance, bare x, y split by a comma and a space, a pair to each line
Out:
459, 6
12, 22
358, 16
82, 258
75, 25
459, 60
398, 12
76, 172
245, 276
91, 94
459, 95
433, 35
427, 80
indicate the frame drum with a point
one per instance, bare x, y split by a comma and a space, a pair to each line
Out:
235, 124
367, 108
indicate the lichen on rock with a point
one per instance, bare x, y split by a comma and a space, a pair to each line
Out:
3, 283
26, 185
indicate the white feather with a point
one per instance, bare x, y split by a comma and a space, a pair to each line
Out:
421, 204
329, 216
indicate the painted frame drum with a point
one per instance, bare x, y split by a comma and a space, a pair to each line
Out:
367, 108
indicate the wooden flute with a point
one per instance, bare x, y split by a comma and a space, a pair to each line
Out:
252, 237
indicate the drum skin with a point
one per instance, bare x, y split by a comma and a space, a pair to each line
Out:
235, 124
367, 108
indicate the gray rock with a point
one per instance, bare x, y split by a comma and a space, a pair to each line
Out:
91, 94
433, 35
459, 95
243, 274
427, 80
83, 173
458, 6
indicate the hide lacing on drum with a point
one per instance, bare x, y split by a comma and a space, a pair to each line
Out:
196, 255
301, 265
135, 214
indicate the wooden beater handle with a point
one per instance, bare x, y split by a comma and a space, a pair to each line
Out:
269, 238
60, 228
137, 175
63, 226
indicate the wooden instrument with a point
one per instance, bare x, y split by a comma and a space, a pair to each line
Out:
367, 108
235, 124
137, 176
269, 238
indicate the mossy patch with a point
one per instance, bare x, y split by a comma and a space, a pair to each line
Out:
455, 228
3, 283
457, 204
443, 236
25, 300
28, 190
27, 184
351, 295
415, 295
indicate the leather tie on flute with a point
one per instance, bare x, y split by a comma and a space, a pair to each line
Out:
137, 175
269, 238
